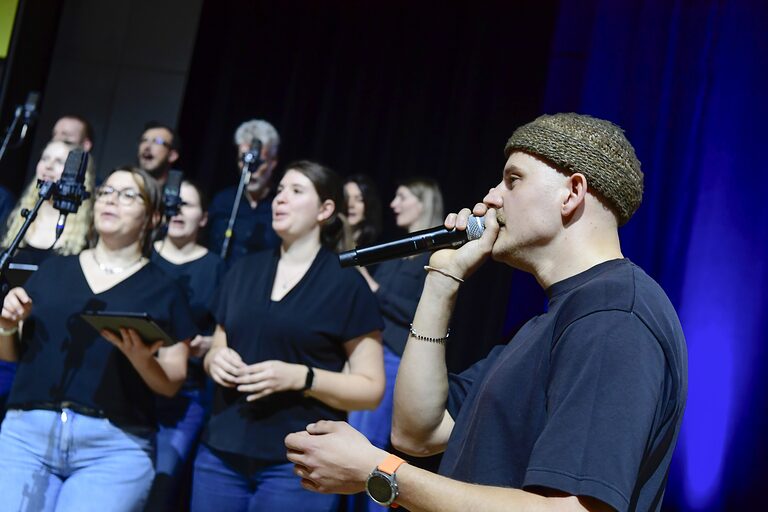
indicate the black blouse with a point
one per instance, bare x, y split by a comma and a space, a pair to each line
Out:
199, 279
64, 359
328, 307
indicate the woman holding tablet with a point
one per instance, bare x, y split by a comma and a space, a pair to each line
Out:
297, 341
79, 432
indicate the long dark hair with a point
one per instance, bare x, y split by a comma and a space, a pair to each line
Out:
369, 229
328, 186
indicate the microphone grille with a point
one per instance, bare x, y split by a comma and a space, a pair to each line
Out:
475, 227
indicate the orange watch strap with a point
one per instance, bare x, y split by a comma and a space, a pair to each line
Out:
390, 464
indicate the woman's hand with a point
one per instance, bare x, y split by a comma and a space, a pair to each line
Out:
224, 366
267, 377
200, 345
16, 307
132, 346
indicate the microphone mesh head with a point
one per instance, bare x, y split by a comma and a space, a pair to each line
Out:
475, 227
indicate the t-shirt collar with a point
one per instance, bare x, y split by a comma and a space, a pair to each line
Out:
571, 283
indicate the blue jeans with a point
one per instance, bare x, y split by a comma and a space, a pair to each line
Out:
7, 373
180, 421
376, 425
64, 461
233, 483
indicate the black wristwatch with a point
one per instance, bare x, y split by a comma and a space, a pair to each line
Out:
381, 485
310, 379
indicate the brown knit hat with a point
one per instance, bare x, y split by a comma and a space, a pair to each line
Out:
594, 147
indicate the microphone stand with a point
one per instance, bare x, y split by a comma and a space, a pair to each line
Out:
249, 159
46, 190
10, 130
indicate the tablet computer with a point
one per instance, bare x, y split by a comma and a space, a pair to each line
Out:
18, 273
142, 323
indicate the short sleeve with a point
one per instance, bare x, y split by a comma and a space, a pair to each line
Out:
220, 299
607, 375
45, 275
361, 306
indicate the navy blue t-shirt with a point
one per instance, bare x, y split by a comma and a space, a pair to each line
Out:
328, 307
586, 399
199, 279
63, 358
253, 226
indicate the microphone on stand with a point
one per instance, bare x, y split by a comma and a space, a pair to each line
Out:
28, 113
69, 192
430, 239
251, 161
172, 194
252, 157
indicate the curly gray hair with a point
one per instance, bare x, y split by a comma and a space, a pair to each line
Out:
258, 129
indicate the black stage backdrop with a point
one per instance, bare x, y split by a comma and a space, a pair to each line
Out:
391, 89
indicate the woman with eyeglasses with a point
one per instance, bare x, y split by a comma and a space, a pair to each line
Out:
297, 341
79, 432
182, 417
38, 243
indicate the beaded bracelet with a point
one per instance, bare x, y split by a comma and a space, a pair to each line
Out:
445, 273
427, 338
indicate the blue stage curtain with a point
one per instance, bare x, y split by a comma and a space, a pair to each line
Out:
688, 81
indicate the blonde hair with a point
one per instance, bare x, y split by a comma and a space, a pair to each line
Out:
428, 192
75, 236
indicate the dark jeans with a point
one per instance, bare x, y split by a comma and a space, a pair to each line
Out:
235, 483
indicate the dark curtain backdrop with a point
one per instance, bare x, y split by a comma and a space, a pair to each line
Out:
411, 88
391, 89
688, 81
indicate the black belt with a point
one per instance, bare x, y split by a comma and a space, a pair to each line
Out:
60, 406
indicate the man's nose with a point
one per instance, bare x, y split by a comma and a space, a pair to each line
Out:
493, 198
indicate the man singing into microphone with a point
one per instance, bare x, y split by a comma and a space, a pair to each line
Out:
582, 408
252, 230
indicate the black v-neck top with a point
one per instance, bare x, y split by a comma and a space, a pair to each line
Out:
65, 359
328, 307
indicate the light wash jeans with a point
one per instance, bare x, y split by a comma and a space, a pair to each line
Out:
64, 461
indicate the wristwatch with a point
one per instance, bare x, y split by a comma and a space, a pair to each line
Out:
381, 485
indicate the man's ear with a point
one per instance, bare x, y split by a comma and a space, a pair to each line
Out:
173, 156
577, 194
326, 210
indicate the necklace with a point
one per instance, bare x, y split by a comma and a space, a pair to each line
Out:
113, 270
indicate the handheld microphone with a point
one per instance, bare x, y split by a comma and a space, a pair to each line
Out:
430, 239
172, 193
69, 192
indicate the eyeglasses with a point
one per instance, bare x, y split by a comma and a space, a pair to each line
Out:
126, 197
155, 140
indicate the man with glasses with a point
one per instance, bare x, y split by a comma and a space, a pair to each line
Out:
158, 150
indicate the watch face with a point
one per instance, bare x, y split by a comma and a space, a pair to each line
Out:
379, 488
